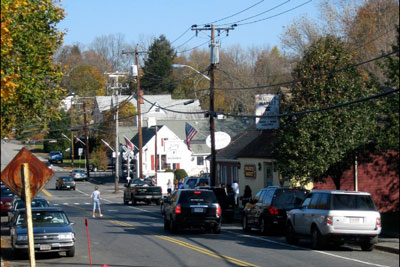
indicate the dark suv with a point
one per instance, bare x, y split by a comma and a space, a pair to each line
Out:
267, 210
227, 202
192, 208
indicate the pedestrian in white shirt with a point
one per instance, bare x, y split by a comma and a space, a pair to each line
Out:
235, 188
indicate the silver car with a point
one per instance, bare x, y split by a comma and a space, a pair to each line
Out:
335, 216
79, 174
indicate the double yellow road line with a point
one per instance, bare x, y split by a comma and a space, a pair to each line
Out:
190, 246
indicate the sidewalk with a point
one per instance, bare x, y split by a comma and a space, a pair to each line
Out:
388, 242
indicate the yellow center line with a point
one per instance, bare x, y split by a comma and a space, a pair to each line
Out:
47, 193
190, 246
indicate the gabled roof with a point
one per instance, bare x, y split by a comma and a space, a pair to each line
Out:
238, 143
261, 146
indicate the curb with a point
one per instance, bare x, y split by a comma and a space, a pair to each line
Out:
387, 249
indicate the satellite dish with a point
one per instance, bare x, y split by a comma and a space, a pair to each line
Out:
222, 140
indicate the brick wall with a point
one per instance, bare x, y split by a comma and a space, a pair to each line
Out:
378, 175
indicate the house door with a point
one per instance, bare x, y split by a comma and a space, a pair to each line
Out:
268, 178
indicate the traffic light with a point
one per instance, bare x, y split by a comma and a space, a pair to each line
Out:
131, 166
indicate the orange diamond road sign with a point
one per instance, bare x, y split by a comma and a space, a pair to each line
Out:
39, 174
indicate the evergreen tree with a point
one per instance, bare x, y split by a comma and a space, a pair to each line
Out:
157, 70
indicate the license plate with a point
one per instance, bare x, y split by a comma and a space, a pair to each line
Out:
148, 196
45, 247
198, 210
68, 186
356, 220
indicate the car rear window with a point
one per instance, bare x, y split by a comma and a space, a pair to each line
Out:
5, 192
288, 198
69, 179
352, 202
200, 196
35, 203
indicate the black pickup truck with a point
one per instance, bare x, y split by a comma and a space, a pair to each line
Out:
142, 190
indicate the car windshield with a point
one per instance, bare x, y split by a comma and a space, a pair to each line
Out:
352, 202
44, 218
200, 196
289, 198
36, 203
5, 192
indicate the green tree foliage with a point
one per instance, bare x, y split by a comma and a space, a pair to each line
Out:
29, 38
388, 126
179, 174
86, 80
59, 127
157, 70
323, 144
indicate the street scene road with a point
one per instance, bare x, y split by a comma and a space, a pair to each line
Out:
134, 236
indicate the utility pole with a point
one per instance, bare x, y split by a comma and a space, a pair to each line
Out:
155, 155
139, 94
214, 59
116, 87
72, 136
86, 140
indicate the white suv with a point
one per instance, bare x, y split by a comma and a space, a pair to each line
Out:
335, 216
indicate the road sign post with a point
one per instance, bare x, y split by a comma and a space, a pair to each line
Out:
28, 212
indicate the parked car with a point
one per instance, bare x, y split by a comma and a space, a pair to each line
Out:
55, 156
65, 182
192, 182
335, 216
188, 208
227, 202
267, 211
52, 232
18, 204
6, 199
79, 174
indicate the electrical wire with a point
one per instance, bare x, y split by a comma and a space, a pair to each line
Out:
304, 79
180, 36
314, 110
276, 15
235, 14
259, 14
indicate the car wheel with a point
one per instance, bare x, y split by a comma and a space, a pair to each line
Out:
290, 235
19, 254
74, 188
173, 227
56, 187
166, 223
133, 201
317, 241
217, 229
71, 252
125, 201
158, 202
264, 227
245, 225
367, 245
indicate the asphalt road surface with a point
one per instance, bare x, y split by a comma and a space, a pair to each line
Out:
134, 236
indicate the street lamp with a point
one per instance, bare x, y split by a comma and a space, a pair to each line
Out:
212, 128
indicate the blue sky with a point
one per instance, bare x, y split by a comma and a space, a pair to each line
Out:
135, 19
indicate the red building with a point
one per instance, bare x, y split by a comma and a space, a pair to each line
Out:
379, 175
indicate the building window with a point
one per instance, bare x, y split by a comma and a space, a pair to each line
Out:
164, 161
200, 161
223, 175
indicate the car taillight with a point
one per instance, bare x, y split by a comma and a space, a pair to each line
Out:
273, 210
197, 192
73, 182
178, 209
329, 220
378, 222
218, 211
62, 182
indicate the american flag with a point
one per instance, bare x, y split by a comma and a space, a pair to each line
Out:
129, 144
190, 133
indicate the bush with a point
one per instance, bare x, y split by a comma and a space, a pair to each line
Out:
99, 159
179, 174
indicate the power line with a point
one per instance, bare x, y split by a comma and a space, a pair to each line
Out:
315, 110
259, 14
